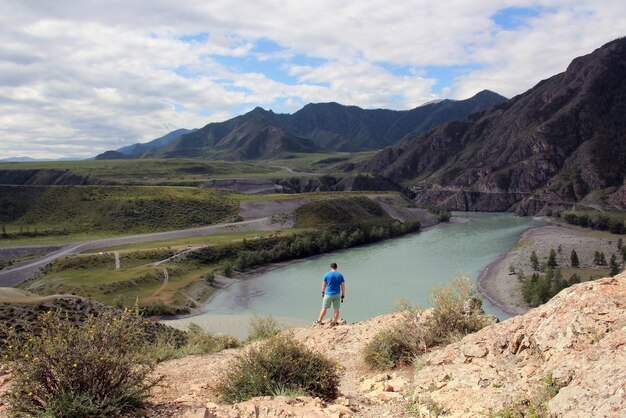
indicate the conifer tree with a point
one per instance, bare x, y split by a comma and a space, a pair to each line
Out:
574, 259
534, 260
615, 270
552, 259
620, 243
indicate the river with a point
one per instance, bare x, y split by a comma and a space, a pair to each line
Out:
377, 275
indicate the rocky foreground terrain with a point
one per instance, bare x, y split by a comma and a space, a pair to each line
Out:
568, 356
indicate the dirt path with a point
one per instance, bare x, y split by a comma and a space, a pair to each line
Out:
117, 259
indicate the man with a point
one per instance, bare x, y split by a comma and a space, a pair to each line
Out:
333, 285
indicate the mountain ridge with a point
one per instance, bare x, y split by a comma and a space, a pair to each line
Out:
317, 127
538, 152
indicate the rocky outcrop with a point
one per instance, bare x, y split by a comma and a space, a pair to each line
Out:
575, 342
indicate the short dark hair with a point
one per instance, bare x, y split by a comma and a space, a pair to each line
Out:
333, 265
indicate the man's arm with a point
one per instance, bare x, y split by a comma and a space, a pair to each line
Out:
323, 287
343, 289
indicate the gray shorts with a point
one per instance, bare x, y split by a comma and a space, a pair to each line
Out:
328, 299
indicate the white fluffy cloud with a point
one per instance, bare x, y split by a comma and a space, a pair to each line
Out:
77, 78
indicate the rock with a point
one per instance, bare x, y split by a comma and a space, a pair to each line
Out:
575, 342
475, 351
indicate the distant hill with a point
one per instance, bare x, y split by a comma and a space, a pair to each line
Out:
29, 159
322, 127
138, 149
563, 141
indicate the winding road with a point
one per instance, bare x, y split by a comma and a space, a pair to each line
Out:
20, 272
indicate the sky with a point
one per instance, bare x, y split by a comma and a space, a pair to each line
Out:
80, 77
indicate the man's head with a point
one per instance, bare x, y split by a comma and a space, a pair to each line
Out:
333, 266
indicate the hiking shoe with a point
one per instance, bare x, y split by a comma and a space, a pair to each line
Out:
318, 322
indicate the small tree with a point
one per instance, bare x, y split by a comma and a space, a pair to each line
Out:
4, 232
620, 243
534, 260
615, 269
552, 259
599, 259
574, 259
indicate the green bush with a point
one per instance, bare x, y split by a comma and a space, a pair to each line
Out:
280, 365
62, 369
262, 328
388, 349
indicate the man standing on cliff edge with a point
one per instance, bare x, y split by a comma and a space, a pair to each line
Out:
333, 285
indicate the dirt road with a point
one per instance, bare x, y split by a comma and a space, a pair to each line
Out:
20, 272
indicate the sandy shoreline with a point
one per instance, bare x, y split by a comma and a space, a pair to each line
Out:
504, 290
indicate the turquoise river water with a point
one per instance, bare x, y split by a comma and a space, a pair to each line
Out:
377, 275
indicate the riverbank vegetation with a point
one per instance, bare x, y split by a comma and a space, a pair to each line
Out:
614, 222
552, 276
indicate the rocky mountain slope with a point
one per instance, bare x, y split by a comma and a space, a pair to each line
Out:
567, 356
323, 127
562, 141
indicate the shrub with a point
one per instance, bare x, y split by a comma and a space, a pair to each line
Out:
262, 328
197, 341
279, 365
453, 313
456, 312
96, 368
388, 349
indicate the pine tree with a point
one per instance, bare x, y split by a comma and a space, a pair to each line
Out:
4, 232
534, 260
602, 260
620, 243
615, 270
552, 259
574, 259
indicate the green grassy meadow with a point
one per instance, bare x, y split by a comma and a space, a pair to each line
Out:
32, 211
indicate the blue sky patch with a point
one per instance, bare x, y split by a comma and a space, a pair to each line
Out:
514, 17
446, 75
195, 37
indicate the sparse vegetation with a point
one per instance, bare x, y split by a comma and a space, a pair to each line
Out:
456, 312
262, 327
64, 369
197, 341
279, 365
536, 405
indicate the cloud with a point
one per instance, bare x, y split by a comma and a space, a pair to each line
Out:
77, 78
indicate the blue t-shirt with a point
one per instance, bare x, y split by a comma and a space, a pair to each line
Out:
333, 281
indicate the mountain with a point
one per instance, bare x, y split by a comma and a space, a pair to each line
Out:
137, 150
261, 134
562, 141
30, 160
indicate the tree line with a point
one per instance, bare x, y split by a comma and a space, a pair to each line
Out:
251, 253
